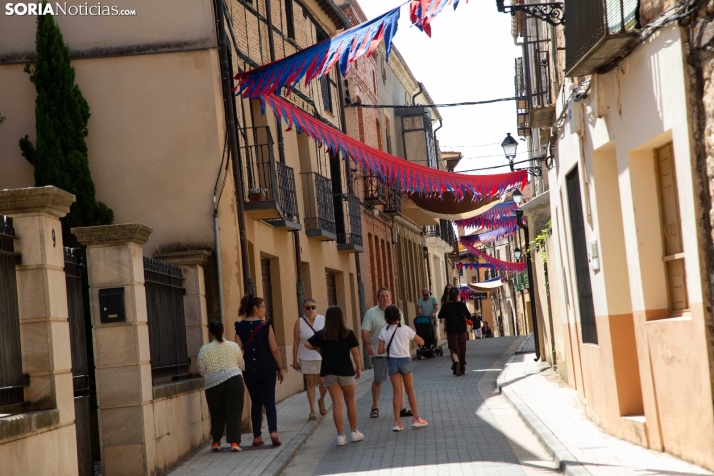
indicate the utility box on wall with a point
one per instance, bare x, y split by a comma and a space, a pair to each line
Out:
111, 305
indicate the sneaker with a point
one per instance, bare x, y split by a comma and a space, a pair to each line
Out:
357, 436
341, 440
419, 423
397, 427
216, 446
235, 447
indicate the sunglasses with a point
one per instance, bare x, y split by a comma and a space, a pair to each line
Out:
310, 307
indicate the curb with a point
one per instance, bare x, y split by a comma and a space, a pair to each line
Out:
280, 462
565, 460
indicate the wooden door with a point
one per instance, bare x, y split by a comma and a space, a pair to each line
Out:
580, 254
331, 281
267, 288
671, 229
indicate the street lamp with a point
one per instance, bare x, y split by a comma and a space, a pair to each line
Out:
517, 197
510, 145
521, 224
517, 253
548, 12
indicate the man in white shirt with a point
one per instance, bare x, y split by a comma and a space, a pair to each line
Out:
371, 327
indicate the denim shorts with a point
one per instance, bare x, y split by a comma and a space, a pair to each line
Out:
399, 365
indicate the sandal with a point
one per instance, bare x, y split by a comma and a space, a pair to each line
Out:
323, 407
274, 438
405, 413
258, 441
313, 416
374, 413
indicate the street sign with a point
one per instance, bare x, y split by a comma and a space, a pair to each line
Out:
480, 295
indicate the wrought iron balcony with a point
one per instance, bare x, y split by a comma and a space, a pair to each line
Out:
393, 201
319, 206
268, 185
597, 32
349, 223
447, 233
373, 190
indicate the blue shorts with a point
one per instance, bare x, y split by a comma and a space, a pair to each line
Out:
399, 365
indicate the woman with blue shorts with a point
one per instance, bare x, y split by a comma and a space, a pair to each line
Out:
395, 339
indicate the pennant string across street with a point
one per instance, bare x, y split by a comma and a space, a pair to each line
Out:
473, 265
489, 236
500, 216
392, 170
315, 61
497, 263
421, 12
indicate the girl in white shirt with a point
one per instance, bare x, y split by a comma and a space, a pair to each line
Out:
395, 339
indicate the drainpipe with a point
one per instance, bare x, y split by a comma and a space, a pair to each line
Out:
358, 265
428, 266
229, 108
300, 290
421, 90
216, 232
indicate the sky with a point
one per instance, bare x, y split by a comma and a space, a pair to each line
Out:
469, 57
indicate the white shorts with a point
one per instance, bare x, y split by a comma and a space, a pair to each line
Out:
310, 367
478, 332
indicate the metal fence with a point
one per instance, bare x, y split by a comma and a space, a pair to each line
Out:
166, 319
11, 379
319, 204
590, 21
373, 189
393, 201
351, 231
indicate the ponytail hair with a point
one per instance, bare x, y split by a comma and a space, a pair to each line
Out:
216, 330
248, 303
392, 315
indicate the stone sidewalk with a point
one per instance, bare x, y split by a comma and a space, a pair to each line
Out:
554, 413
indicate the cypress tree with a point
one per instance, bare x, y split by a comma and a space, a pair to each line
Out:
61, 114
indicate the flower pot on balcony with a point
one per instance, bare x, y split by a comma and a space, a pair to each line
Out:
255, 195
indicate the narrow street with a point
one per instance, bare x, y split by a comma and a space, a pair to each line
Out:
472, 430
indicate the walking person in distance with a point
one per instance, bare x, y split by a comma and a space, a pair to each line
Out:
394, 340
219, 365
427, 306
339, 346
455, 313
263, 366
306, 360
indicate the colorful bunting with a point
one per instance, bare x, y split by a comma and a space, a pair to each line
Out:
500, 216
315, 61
474, 265
421, 12
497, 263
489, 236
392, 170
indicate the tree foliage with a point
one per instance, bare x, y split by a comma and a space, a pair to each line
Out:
61, 115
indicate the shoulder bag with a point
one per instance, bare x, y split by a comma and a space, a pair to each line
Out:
252, 336
390, 340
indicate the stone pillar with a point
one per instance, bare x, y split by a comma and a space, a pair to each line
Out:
42, 301
194, 301
121, 349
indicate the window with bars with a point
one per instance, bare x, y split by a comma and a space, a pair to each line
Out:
290, 19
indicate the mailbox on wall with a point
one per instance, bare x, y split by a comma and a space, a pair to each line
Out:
111, 305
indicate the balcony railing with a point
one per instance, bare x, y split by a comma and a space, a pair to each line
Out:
319, 206
373, 190
596, 33
268, 185
393, 201
349, 224
445, 232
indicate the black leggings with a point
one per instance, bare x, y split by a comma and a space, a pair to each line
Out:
225, 403
262, 395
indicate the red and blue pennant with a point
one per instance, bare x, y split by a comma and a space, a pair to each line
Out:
474, 265
315, 61
500, 216
489, 236
497, 263
422, 12
392, 170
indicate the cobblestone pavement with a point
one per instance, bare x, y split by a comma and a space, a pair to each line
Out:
559, 416
472, 430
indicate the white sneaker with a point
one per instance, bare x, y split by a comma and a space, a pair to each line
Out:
357, 436
418, 423
397, 427
341, 440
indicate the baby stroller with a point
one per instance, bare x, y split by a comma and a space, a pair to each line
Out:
423, 327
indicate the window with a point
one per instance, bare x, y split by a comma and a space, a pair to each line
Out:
290, 19
360, 120
671, 230
331, 282
388, 133
374, 81
379, 135
326, 92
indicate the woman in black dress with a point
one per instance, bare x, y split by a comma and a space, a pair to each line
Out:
455, 313
263, 365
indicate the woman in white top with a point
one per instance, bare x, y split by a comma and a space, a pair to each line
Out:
219, 365
395, 340
309, 360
